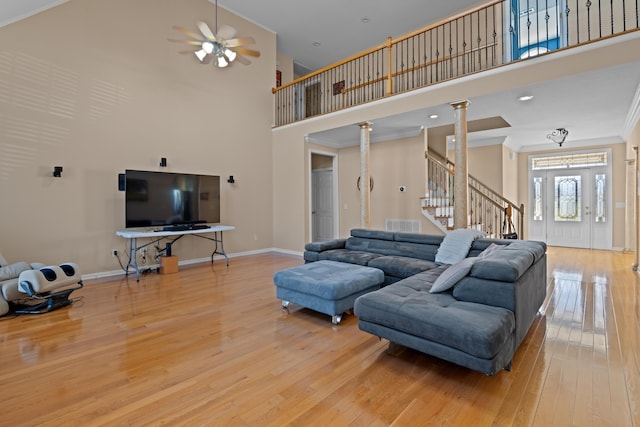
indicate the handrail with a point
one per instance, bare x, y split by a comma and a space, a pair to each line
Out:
390, 42
489, 210
487, 36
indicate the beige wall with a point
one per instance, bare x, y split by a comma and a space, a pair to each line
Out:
485, 164
392, 164
94, 86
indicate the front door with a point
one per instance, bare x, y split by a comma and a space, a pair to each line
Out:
569, 208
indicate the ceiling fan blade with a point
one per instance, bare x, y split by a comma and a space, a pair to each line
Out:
226, 32
249, 52
241, 59
206, 31
189, 42
188, 33
240, 41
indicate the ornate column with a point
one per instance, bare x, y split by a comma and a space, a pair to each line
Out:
461, 177
365, 189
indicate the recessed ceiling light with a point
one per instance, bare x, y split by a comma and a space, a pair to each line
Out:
525, 98
365, 20
433, 116
316, 44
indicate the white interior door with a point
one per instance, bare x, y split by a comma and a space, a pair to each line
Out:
322, 204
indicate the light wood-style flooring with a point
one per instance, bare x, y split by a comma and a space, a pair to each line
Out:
211, 346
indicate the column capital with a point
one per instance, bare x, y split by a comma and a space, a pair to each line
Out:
463, 103
365, 125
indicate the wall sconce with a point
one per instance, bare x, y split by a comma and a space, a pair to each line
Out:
163, 162
230, 180
57, 171
558, 136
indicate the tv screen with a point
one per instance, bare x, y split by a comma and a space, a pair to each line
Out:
164, 198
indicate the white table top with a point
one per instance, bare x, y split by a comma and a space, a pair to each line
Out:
133, 234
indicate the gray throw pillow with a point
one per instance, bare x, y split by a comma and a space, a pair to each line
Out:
455, 245
453, 275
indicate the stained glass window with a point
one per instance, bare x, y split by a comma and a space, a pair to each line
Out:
568, 198
537, 198
578, 160
600, 199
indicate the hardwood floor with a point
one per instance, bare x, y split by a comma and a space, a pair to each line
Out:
211, 346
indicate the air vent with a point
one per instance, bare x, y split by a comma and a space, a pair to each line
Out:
403, 225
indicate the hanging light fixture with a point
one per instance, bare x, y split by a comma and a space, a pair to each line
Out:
220, 45
558, 136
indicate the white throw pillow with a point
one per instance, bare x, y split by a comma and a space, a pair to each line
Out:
453, 275
456, 244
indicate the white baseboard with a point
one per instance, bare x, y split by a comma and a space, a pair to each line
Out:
112, 273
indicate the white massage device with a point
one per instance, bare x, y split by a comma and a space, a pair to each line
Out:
38, 288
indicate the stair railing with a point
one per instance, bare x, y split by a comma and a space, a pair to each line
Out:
489, 211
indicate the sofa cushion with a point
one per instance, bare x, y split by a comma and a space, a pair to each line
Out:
452, 275
489, 250
349, 256
325, 245
506, 264
423, 239
409, 307
387, 247
456, 244
399, 266
372, 234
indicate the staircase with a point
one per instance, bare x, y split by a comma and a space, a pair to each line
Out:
488, 211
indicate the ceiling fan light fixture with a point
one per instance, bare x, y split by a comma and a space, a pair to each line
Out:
207, 47
217, 46
231, 55
222, 62
200, 54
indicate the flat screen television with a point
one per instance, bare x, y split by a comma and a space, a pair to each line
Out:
163, 198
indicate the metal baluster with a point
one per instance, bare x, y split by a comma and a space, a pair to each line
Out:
567, 11
578, 23
528, 24
464, 46
546, 18
588, 4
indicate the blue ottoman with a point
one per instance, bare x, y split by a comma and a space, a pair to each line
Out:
329, 287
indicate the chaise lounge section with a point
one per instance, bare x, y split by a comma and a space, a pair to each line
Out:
477, 319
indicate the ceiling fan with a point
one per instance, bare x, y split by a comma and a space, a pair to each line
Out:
219, 45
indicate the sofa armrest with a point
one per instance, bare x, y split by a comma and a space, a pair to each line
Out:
325, 246
523, 296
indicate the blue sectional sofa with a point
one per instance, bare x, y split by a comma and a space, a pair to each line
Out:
478, 322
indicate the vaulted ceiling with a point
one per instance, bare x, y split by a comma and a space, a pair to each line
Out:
595, 105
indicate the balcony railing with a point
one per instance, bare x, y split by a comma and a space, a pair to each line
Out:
486, 37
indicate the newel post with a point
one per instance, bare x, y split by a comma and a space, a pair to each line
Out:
389, 90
